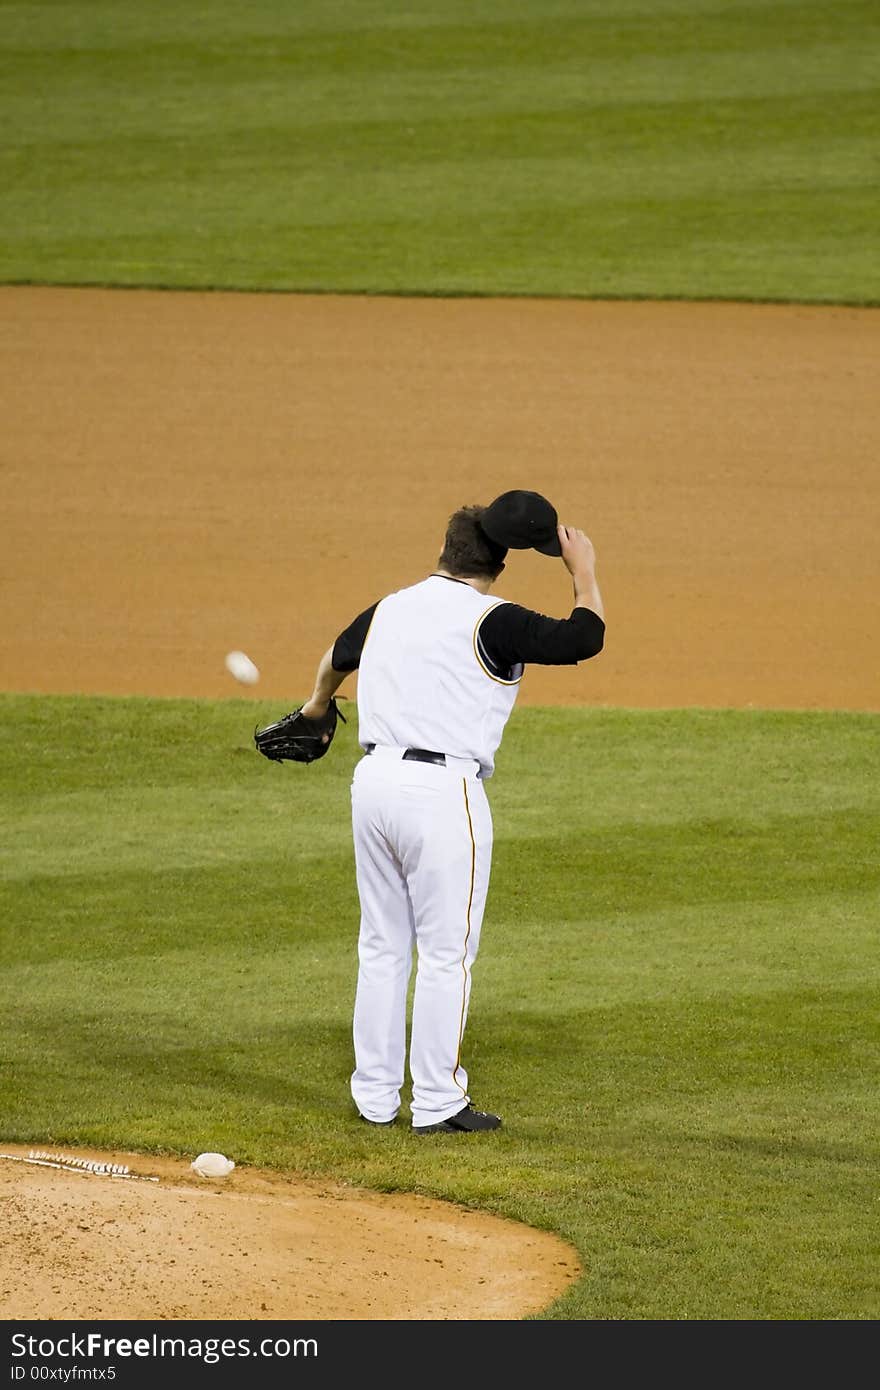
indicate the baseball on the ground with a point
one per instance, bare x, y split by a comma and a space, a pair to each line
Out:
242, 668
212, 1165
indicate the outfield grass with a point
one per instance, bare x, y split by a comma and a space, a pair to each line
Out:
675, 1005
678, 148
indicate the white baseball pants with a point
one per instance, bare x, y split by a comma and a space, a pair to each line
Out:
423, 847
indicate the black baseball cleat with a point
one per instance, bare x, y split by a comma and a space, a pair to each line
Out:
467, 1121
380, 1124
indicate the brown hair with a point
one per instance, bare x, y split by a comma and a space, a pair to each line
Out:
467, 550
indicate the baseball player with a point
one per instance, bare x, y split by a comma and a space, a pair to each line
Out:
439, 669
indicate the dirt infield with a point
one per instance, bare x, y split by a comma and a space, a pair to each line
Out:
176, 468
256, 1246
176, 465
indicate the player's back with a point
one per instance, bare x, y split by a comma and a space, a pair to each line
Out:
421, 681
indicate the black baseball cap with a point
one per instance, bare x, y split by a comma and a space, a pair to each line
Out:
522, 521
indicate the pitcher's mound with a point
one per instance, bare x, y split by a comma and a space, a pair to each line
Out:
255, 1245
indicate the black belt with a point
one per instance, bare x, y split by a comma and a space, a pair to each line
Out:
416, 755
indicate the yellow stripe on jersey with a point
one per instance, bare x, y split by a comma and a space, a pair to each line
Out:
370, 628
499, 679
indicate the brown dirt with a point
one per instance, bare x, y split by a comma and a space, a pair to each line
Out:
184, 474
256, 1245
177, 467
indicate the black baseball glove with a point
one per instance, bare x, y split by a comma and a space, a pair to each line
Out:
296, 739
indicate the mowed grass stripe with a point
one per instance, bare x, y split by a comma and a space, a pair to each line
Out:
696, 150
674, 1005
710, 130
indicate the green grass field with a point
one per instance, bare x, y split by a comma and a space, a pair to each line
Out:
674, 1008
677, 148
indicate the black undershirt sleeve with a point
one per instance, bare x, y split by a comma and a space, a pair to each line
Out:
349, 644
510, 634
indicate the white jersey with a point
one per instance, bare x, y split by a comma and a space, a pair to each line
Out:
422, 681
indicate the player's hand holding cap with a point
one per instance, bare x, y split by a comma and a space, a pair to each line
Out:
522, 521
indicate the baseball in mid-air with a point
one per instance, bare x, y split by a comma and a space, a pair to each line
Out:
239, 665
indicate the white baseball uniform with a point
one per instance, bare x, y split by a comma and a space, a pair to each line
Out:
438, 677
